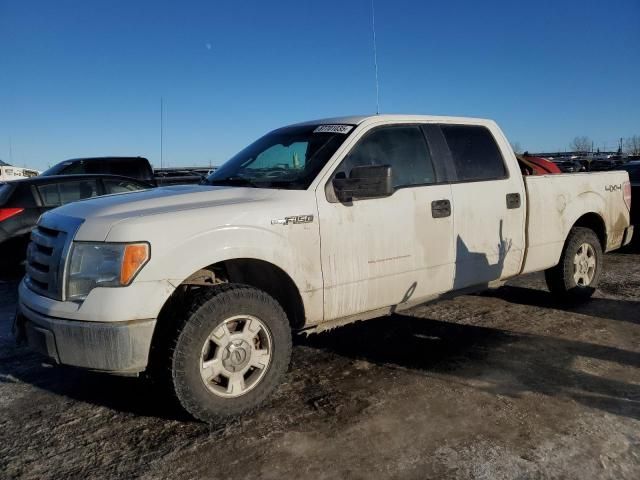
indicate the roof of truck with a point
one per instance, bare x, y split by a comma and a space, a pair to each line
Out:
358, 119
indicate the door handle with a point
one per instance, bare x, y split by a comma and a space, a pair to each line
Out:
440, 208
513, 200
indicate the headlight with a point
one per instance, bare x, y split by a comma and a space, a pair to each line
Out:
95, 265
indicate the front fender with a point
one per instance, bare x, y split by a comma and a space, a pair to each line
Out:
295, 249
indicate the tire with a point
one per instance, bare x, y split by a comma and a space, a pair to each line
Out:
576, 279
226, 331
13, 255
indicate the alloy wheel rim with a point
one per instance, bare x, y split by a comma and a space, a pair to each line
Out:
235, 356
584, 265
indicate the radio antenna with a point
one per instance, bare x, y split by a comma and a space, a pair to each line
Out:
375, 56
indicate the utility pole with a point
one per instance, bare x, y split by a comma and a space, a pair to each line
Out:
375, 56
161, 131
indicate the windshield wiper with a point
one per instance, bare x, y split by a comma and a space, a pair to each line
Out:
233, 180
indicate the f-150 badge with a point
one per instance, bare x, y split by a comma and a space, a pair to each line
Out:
292, 220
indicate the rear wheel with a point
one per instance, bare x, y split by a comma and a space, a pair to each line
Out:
577, 274
231, 352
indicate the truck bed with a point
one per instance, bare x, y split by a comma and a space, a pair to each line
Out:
556, 202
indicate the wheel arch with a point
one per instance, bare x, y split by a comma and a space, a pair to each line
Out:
595, 222
270, 278
259, 273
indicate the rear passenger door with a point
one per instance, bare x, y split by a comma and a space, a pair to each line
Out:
488, 204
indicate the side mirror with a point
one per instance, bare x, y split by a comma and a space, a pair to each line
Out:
366, 181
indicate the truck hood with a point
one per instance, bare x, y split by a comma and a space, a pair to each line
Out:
100, 214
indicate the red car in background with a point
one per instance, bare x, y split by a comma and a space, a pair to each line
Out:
536, 165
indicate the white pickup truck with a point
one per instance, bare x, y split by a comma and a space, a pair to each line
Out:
313, 226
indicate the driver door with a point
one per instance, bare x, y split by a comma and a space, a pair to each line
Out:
381, 252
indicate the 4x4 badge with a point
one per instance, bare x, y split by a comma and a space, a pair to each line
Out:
295, 220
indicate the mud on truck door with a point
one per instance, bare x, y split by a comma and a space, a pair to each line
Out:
489, 207
378, 252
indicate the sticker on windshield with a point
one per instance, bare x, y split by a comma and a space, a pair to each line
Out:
333, 129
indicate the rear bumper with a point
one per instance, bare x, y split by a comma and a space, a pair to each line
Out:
115, 347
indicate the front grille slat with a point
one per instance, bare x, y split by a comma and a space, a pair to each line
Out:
43, 240
40, 258
38, 275
44, 262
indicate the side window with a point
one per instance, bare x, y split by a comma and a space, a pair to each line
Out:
475, 153
112, 185
50, 195
56, 194
79, 190
402, 147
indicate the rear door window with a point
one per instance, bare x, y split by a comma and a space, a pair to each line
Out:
113, 185
56, 194
475, 154
49, 195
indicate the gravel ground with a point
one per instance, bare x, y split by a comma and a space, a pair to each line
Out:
507, 385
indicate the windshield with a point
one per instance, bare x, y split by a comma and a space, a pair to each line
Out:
288, 158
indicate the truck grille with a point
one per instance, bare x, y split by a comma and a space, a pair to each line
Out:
45, 263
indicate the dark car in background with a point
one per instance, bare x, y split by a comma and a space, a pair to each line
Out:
179, 176
132, 167
633, 168
604, 164
569, 166
23, 201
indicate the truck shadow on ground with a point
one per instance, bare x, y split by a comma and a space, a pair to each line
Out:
607, 309
494, 360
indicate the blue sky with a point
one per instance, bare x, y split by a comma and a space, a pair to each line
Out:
84, 78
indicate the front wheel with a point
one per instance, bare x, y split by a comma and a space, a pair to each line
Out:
577, 274
231, 353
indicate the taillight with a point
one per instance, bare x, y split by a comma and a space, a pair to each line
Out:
626, 189
9, 212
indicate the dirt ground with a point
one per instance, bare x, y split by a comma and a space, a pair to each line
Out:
506, 384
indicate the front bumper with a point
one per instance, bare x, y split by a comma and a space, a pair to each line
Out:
115, 347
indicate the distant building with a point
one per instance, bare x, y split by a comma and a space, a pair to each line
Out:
9, 172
